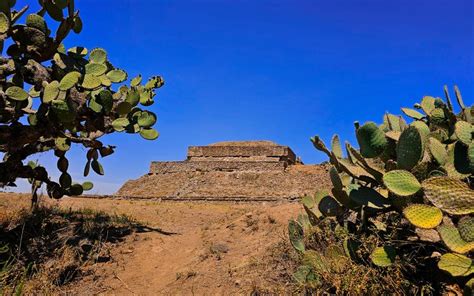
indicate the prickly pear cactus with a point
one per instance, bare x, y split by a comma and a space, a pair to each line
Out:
76, 96
414, 177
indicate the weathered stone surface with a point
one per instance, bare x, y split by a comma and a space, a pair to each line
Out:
258, 170
242, 151
168, 167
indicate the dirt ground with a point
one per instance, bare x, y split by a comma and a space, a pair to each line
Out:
203, 248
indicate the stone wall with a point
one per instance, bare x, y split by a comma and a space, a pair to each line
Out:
231, 170
244, 153
168, 167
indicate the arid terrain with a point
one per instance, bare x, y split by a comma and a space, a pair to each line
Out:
197, 248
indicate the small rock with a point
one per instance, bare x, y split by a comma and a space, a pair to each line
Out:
219, 248
429, 235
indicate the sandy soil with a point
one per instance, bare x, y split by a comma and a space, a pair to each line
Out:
210, 249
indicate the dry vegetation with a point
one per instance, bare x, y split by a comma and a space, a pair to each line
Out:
200, 248
48, 248
173, 248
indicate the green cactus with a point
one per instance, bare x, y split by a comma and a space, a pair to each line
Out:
421, 172
305, 276
336, 146
383, 256
95, 69
72, 96
412, 113
453, 240
316, 261
149, 133
4, 23
410, 148
98, 55
146, 119
36, 21
369, 197
464, 131
51, 91
437, 151
87, 186
328, 206
296, 234
450, 195
466, 228
117, 76
371, 139
69, 81
16, 93
311, 208
401, 183
456, 264
423, 216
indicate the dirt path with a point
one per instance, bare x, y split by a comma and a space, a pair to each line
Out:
216, 249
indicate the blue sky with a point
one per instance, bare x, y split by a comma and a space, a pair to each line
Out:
274, 70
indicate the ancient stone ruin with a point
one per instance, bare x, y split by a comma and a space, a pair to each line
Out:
250, 170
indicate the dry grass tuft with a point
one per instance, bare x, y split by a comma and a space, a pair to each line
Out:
338, 274
47, 248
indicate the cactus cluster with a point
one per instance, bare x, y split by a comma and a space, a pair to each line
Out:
52, 97
420, 172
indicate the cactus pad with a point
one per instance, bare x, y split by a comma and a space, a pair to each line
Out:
410, 148
428, 104
119, 124
149, 134
98, 55
90, 81
423, 216
450, 195
402, 183
16, 93
437, 150
412, 113
336, 146
335, 178
51, 91
96, 69
75, 190
317, 262
451, 237
329, 206
466, 228
4, 23
296, 234
371, 140
463, 131
383, 256
86, 186
470, 155
422, 127
69, 80
366, 196
117, 76
311, 209
36, 21
455, 264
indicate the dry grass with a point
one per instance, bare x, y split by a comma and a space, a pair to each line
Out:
45, 249
338, 274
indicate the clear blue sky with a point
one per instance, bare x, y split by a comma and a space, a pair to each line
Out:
275, 70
